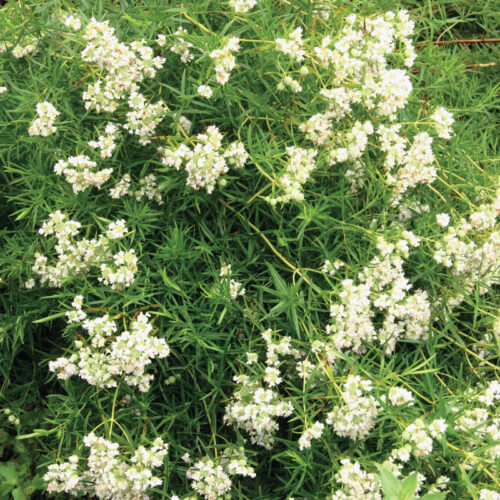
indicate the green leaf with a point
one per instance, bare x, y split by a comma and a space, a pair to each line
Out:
390, 483
409, 487
18, 494
50, 318
434, 496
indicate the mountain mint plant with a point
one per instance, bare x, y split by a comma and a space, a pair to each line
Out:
250, 249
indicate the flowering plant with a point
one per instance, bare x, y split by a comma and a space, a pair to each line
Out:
250, 249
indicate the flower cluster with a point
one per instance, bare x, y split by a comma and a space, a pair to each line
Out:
486, 494
442, 121
75, 23
207, 161
291, 83
383, 290
356, 418
109, 475
11, 417
477, 420
77, 314
24, 49
255, 408
417, 167
472, 263
235, 287
355, 175
224, 60
292, 46
318, 129
107, 142
420, 435
399, 396
314, 431
44, 124
149, 189
123, 66
79, 257
300, 164
211, 478
356, 483
361, 64
143, 117
354, 143
205, 91
80, 172
331, 269
181, 47
106, 355
242, 6
120, 271
122, 188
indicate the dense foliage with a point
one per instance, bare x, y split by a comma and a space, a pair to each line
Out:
249, 249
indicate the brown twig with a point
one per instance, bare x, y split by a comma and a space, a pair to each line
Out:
450, 42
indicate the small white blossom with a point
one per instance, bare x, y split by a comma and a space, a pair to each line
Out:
161, 40
224, 60
292, 46
29, 284
205, 91
313, 432
443, 219
442, 121
242, 6
73, 22
44, 124
181, 47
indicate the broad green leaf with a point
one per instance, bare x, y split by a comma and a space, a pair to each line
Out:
409, 487
434, 496
390, 483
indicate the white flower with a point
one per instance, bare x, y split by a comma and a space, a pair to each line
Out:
399, 396
44, 124
185, 124
207, 161
292, 46
442, 121
205, 91
313, 432
161, 40
29, 284
116, 229
181, 47
106, 142
72, 22
242, 6
443, 219
109, 473
252, 357
80, 172
211, 477
301, 163
224, 60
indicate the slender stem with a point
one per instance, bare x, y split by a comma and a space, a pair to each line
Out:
113, 410
450, 42
186, 15
268, 243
